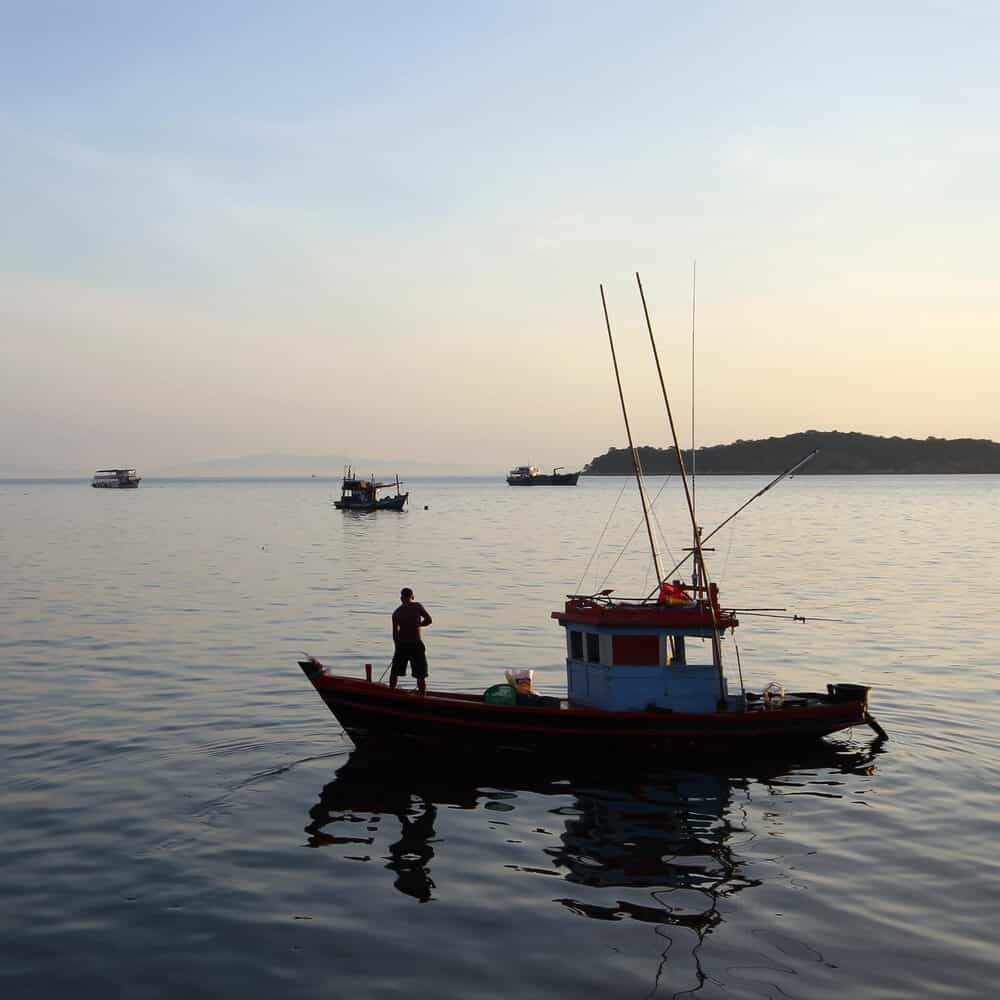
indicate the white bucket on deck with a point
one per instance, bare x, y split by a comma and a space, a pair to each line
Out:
520, 680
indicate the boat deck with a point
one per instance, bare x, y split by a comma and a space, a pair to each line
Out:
737, 704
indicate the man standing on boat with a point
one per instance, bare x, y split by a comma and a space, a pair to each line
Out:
407, 621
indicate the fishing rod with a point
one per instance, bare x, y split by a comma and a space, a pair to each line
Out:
794, 618
739, 510
635, 455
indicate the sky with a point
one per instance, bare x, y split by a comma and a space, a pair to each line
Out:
377, 232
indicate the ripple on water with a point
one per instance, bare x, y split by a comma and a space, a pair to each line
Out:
183, 815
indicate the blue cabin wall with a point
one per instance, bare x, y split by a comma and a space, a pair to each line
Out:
599, 676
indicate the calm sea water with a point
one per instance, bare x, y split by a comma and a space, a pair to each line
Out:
182, 817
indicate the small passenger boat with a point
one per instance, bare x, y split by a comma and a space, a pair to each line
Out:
116, 479
529, 475
644, 675
362, 494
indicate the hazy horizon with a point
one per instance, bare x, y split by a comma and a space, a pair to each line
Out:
241, 230
322, 466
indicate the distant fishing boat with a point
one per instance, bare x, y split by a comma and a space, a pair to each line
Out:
529, 475
362, 494
116, 479
644, 675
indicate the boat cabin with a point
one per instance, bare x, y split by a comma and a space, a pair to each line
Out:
358, 490
637, 655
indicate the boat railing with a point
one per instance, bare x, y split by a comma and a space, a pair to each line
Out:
584, 602
607, 601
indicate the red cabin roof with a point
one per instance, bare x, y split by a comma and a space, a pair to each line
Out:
604, 611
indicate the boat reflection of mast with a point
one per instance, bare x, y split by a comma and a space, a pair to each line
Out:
670, 837
673, 833
669, 834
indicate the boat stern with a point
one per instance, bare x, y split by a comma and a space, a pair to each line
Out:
849, 692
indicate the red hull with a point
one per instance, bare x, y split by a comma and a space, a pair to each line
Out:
373, 713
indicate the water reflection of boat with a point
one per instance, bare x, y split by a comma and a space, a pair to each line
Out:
667, 831
359, 796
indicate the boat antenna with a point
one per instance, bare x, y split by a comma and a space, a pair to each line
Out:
631, 445
698, 553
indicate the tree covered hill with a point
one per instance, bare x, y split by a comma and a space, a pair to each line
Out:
839, 453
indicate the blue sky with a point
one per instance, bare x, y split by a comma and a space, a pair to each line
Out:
378, 232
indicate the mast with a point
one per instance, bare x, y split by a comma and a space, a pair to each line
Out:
628, 431
698, 554
694, 491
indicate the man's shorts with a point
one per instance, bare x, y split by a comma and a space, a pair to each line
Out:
413, 653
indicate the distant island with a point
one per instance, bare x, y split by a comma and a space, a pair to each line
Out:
839, 454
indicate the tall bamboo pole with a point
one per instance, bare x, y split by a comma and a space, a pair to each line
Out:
694, 480
694, 297
631, 445
699, 555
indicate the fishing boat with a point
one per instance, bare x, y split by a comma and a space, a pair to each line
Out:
116, 479
529, 475
644, 674
362, 494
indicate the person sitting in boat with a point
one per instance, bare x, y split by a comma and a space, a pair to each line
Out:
407, 621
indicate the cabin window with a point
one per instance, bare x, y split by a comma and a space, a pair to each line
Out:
593, 648
576, 645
